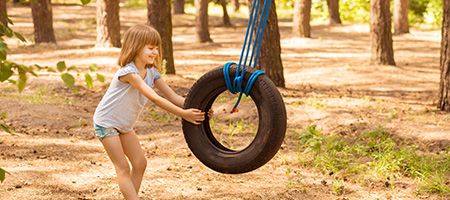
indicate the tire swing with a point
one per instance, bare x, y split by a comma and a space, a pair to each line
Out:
267, 98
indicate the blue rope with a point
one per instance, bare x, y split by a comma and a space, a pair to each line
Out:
236, 86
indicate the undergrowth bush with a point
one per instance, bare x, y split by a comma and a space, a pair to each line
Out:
375, 154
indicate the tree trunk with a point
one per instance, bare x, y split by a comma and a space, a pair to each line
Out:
444, 86
302, 16
380, 31
401, 10
41, 11
108, 23
235, 4
226, 18
201, 21
3, 13
160, 18
269, 59
178, 6
333, 12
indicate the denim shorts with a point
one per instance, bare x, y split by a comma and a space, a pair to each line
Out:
102, 132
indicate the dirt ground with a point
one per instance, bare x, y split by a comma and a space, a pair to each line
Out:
54, 155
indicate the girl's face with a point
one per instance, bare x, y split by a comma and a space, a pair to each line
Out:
146, 55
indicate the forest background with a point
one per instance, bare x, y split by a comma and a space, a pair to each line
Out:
355, 130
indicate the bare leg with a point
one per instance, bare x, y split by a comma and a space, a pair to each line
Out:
133, 150
113, 147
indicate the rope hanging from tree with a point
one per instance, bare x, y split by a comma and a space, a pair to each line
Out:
235, 86
268, 100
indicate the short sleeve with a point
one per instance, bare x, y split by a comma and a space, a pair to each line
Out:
128, 69
157, 77
156, 73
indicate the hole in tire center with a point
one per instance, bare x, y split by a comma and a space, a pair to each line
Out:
234, 131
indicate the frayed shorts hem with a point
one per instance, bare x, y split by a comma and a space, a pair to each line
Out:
102, 132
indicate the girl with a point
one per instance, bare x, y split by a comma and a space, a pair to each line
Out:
139, 62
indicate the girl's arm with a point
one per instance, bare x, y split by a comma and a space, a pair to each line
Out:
191, 115
169, 93
172, 96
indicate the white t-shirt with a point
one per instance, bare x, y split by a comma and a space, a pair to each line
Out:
122, 103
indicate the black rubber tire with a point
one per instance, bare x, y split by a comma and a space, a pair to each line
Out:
271, 128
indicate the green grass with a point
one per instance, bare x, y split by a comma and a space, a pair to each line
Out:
374, 154
38, 95
228, 133
160, 116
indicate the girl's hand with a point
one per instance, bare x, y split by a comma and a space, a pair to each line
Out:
194, 116
210, 113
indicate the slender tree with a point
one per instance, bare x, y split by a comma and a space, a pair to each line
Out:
302, 16
108, 23
401, 10
41, 11
380, 31
201, 21
269, 59
160, 18
178, 6
226, 17
444, 86
3, 13
333, 12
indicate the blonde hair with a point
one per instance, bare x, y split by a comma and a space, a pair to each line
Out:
135, 39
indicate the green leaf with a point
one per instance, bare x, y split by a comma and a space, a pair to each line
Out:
2, 174
13, 82
100, 78
51, 69
93, 67
5, 71
18, 35
3, 115
8, 32
36, 67
88, 80
68, 79
22, 80
3, 49
33, 73
5, 128
73, 68
7, 19
61, 66
21, 68
84, 2
2, 54
4, 75
4, 46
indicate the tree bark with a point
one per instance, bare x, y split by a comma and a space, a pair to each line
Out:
235, 4
160, 17
302, 16
444, 86
269, 59
226, 17
178, 6
41, 10
201, 21
380, 31
3, 13
401, 10
108, 23
333, 12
